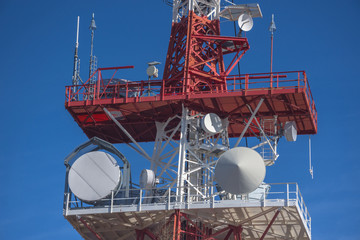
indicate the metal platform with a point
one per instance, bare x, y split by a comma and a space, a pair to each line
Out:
138, 105
280, 214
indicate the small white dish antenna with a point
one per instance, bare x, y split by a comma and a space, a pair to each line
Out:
245, 22
94, 176
290, 131
152, 71
240, 170
147, 178
211, 123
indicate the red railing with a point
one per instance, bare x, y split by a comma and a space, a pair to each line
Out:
117, 88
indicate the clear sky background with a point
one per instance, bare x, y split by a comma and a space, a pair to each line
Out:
36, 57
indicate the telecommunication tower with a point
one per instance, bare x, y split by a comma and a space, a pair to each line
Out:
199, 184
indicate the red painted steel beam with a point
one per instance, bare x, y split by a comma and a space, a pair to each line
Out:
237, 232
177, 225
115, 68
271, 222
228, 235
146, 231
223, 38
220, 232
139, 234
90, 229
189, 220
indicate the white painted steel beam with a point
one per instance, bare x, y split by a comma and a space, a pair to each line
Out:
141, 150
249, 122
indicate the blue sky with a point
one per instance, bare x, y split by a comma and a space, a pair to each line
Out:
36, 57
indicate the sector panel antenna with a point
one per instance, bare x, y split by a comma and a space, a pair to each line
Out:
290, 131
94, 176
240, 170
245, 22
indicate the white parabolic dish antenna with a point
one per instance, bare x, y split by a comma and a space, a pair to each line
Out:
245, 22
211, 123
240, 170
94, 175
147, 178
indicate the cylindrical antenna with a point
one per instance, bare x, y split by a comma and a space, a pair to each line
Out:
272, 29
77, 32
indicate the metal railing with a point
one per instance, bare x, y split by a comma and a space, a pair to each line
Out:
110, 88
280, 194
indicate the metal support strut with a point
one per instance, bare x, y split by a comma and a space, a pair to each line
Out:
249, 122
140, 149
90, 229
271, 223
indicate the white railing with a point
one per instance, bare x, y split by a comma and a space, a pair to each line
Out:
280, 194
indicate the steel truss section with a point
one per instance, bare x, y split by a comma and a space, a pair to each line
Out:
195, 56
268, 134
181, 226
187, 163
208, 8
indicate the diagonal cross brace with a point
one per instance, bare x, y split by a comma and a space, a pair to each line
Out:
271, 223
249, 122
140, 149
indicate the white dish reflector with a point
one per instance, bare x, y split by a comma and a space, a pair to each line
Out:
94, 175
211, 123
240, 170
245, 22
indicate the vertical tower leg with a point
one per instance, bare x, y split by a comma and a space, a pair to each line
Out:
139, 235
182, 156
237, 232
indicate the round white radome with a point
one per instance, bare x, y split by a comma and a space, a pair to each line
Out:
240, 170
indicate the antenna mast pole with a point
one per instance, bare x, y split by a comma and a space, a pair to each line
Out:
92, 63
311, 168
272, 29
75, 77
